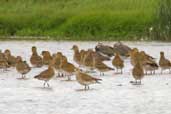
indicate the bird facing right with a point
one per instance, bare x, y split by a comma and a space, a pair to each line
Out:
85, 79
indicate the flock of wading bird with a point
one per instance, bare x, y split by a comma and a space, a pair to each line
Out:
86, 59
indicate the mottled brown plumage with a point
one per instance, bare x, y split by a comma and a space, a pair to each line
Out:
67, 67
138, 72
3, 62
85, 79
148, 63
12, 60
46, 75
47, 58
133, 55
22, 67
117, 62
164, 63
77, 55
100, 66
35, 59
88, 60
82, 56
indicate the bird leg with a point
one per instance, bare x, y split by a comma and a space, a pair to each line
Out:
88, 87
154, 72
140, 82
135, 81
69, 78
146, 73
85, 88
46, 83
22, 76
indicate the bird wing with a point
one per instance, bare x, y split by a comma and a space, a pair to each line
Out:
87, 77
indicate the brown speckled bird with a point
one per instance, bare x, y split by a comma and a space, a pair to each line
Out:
77, 56
88, 60
67, 68
164, 63
56, 61
85, 79
100, 66
47, 58
148, 63
82, 56
10, 58
138, 72
3, 62
22, 67
46, 75
118, 62
133, 54
35, 59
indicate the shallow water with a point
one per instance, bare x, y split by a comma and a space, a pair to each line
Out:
114, 96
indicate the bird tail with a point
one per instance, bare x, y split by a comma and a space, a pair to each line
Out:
111, 68
37, 76
98, 80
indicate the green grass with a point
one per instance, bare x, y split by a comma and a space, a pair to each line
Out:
78, 19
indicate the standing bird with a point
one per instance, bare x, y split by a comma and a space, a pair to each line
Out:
138, 72
35, 59
118, 62
88, 60
47, 58
121, 48
148, 63
77, 56
56, 61
85, 79
46, 75
104, 49
100, 66
3, 62
22, 67
82, 56
67, 68
164, 63
133, 55
10, 58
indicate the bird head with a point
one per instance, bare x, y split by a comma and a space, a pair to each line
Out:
34, 49
74, 47
19, 58
7, 52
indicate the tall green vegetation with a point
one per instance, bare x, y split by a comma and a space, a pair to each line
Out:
78, 19
162, 27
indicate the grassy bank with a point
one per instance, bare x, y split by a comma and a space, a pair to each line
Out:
78, 19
